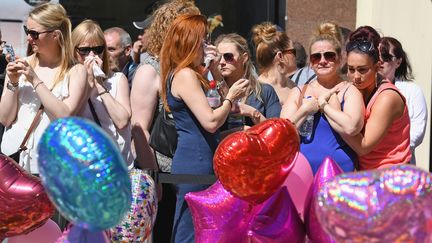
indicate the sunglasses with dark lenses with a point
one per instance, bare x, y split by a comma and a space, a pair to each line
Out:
229, 57
291, 51
84, 51
35, 34
329, 56
387, 57
364, 46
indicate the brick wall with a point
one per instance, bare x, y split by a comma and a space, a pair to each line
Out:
304, 15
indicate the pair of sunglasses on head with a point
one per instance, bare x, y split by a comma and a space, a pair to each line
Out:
368, 48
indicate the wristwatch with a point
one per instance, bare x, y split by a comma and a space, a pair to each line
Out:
12, 86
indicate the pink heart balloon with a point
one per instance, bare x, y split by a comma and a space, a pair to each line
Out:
327, 170
24, 205
386, 205
298, 182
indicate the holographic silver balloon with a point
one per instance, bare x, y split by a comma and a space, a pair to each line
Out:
387, 205
84, 173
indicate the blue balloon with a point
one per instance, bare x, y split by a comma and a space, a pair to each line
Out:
84, 173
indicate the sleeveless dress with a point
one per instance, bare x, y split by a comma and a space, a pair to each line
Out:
324, 142
394, 147
194, 155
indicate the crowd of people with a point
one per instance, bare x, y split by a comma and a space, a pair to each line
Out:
358, 87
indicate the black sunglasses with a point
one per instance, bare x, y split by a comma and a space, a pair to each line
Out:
84, 51
229, 57
35, 34
329, 56
291, 51
387, 57
364, 46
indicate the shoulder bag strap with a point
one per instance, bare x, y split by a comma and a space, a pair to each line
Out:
23, 146
94, 114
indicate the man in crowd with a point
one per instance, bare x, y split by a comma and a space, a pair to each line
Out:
119, 45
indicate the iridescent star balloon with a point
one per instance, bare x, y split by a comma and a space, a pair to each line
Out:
386, 205
221, 217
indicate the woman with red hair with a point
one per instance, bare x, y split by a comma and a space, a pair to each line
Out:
183, 93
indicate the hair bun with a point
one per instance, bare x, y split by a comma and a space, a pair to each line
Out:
264, 32
329, 29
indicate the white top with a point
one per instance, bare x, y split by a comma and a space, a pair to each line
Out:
121, 136
417, 110
29, 103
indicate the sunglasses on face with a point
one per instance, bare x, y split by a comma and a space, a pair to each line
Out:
228, 57
35, 34
84, 51
364, 46
387, 57
329, 56
290, 51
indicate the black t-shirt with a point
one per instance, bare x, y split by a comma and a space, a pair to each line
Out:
3, 64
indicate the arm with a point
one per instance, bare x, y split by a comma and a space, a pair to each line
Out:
296, 112
118, 108
388, 107
78, 88
187, 87
417, 109
9, 99
350, 121
144, 100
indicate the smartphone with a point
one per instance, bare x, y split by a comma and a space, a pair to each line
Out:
9, 50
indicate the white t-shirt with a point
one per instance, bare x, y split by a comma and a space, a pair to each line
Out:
29, 103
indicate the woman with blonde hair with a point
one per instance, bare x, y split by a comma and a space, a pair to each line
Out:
261, 101
43, 86
183, 93
334, 113
108, 104
276, 58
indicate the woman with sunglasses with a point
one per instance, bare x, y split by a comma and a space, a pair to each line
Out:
385, 139
108, 104
396, 67
334, 113
261, 101
276, 58
47, 79
183, 93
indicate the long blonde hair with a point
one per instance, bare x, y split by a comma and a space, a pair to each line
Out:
53, 16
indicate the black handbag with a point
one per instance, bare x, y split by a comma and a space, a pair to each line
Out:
163, 136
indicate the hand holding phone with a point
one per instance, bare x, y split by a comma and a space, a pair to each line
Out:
9, 50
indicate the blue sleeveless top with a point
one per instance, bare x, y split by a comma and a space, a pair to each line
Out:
195, 146
324, 142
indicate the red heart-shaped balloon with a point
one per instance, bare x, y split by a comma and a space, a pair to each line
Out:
253, 164
24, 205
